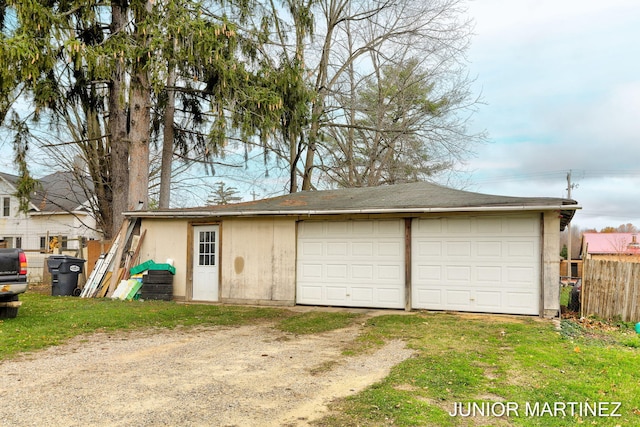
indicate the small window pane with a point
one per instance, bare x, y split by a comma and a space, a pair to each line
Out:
206, 248
6, 206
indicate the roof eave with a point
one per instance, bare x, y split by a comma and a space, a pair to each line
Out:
77, 211
568, 211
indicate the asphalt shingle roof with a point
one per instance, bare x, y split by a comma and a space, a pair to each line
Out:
57, 192
418, 197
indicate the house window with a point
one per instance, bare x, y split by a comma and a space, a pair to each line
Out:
19, 242
6, 206
43, 243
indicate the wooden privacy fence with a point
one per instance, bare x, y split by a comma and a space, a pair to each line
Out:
611, 289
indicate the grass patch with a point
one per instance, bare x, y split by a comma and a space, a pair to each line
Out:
458, 358
316, 322
44, 320
488, 359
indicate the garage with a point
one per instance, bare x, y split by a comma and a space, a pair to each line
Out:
484, 263
356, 263
405, 246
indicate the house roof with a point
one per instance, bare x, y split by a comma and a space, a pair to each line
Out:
611, 243
57, 192
419, 197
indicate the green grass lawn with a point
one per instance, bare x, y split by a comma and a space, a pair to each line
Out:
515, 362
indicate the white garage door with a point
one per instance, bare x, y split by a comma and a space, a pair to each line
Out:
351, 263
480, 264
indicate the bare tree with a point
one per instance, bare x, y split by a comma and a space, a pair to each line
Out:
351, 45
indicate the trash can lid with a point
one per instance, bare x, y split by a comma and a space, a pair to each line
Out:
68, 258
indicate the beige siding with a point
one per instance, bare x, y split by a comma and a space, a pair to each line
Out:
167, 239
258, 260
551, 263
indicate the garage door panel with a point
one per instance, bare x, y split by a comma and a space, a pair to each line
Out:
489, 273
520, 249
520, 300
362, 272
429, 248
362, 227
457, 274
390, 295
362, 295
363, 249
458, 226
458, 249
310, 293
489, 249
491, 226
337, 249
488, 300
336, 228
427, 273
363, 259
458, 299
429, 298
494, 267
390, 249
390, 273
337, 271
519, 276
389, 228
311, 248
428, 226
312, 230
335, 294
310, 271
520, 226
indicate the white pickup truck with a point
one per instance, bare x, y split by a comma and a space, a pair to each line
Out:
13, 281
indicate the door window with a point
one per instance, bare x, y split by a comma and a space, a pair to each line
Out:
207, 248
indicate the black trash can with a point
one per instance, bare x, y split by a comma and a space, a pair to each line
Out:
64, 271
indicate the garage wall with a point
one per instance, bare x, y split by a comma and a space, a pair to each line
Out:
551, 264
167, 239
258, 260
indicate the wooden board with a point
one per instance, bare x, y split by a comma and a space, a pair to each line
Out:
125, 231
104, 286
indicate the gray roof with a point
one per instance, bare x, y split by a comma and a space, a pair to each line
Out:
419, 197
56, 192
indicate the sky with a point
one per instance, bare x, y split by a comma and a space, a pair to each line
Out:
560, 86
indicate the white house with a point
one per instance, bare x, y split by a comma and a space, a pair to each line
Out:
58, 209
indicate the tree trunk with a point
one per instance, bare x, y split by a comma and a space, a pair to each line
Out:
139, 139
140, 118
98, 163
118, 131
167, 143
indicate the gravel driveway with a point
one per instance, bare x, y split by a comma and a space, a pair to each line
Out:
206, 376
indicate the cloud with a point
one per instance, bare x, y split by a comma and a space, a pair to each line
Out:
562, 91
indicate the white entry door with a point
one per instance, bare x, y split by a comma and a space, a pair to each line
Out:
205, 262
